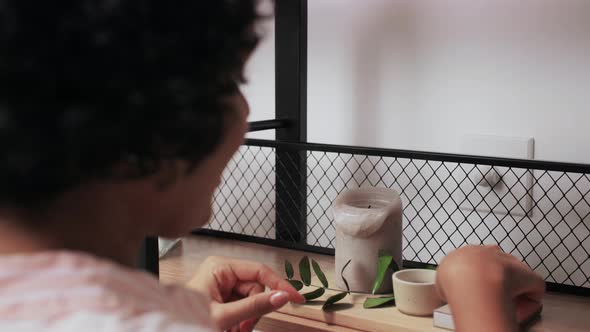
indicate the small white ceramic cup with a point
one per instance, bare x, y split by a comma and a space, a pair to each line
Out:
415, 292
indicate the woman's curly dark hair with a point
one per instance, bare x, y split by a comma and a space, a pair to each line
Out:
87, 84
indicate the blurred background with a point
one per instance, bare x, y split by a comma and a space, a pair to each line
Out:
423, 75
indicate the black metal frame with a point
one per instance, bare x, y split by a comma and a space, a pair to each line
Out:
268, 125
421, 155
149, 256
291, 104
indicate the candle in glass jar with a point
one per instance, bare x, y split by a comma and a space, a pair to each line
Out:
367, 220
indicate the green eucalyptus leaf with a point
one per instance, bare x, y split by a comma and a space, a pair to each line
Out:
314, 295
376, 302
342, 275
333, 299
319, 273
393, 266
304, 271
289, 270
385, 260
298, 285
430, 267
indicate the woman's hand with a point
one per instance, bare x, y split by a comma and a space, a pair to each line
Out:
237, 291
487, 289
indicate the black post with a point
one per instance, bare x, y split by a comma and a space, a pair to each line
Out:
291, 105
149, 256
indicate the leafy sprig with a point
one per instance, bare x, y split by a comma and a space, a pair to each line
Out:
305, 275
385, 263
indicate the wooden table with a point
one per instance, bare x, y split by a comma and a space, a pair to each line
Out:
561, 313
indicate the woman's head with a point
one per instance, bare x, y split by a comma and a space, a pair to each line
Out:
117, 91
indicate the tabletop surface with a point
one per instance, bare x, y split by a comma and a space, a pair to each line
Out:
561, 312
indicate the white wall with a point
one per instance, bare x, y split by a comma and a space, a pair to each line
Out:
260, 72
419, 74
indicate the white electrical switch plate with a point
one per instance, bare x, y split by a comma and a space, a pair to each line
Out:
512, 193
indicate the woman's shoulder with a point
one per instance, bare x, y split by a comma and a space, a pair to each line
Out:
55, 287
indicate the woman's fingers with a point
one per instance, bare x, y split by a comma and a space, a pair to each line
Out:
248, 288
262, 274
248, 326
525, 282
232, 314
520, 278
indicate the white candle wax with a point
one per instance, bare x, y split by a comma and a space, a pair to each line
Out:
367, 220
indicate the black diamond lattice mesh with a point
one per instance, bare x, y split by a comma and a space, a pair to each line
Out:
542, 217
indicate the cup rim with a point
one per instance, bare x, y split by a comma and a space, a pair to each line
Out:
396, 277
387, 198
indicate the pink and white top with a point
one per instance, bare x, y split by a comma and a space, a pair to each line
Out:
66, 291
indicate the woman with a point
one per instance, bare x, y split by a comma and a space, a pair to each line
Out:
117, 118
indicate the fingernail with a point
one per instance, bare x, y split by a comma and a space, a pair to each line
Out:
279, 299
